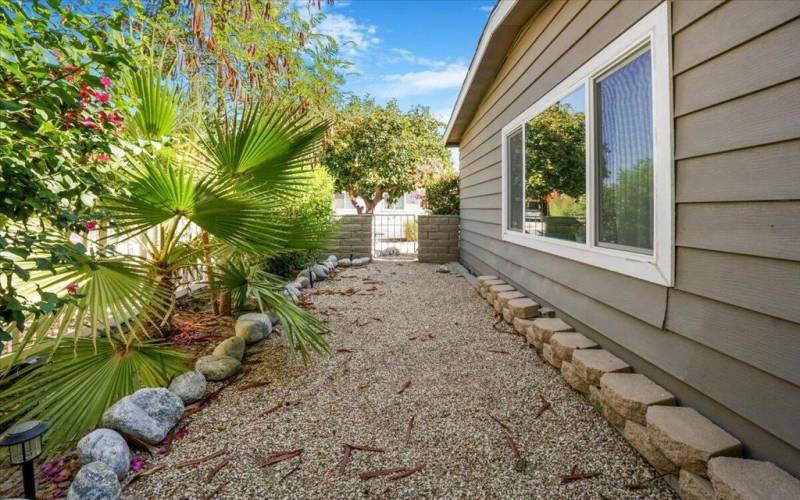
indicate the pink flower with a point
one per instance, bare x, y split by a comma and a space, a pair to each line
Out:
102, 97
102, 157
91, 225
58, 493
105, 81
88, 122
52, 468
181, 433
72, 288
137, 464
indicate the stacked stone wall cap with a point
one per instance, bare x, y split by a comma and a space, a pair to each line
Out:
630, 394
592, 364
739, 478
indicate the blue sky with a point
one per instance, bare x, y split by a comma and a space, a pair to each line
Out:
417, 51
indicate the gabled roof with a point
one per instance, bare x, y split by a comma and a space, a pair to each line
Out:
500, 32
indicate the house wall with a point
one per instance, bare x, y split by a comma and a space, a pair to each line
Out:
726, 338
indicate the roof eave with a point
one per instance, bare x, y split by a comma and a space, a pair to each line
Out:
500, 32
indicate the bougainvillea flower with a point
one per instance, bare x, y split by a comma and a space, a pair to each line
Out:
70, 68
58, 493
105, 81
102, 97
91, 225
102, 157
88, 122
72, 288
137, 464
181, 433
52, 468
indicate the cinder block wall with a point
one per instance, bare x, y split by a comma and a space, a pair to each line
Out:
438, 238
354, 236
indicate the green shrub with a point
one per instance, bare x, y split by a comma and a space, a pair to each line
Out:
314, 206
410, 230
566, 206
442, 194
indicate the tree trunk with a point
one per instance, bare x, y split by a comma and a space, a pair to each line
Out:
209, 273
373, 202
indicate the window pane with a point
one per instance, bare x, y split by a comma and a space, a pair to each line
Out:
515, 181
625, 156
555, 170
338, 201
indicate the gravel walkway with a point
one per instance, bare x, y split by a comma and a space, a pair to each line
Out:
406, 323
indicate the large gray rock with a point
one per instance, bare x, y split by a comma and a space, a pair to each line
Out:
742, 479
345, 263
361, 261
303, 281
253, 327
107, 446
94, 481
189, 386
217, 368
147, 414
687, 438
320, 273
332, 258
232, 347
294, 289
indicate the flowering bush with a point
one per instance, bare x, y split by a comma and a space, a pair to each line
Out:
59, 124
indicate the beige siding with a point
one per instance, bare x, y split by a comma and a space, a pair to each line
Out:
726, 338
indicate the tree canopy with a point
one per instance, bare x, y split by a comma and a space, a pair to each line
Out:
381, 151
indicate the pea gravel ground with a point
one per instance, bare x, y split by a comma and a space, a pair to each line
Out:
404, 323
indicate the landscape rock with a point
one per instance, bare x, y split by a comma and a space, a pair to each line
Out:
232, 347
345, 263
189, 386
693, 487
252, 327
494, 290
565, 343
638, 437
107, 446
544, 328
274, 319
333, 258
216, 368
688, 438
521, 325
523, 308
94, 481
147, 414
361, 261
390, 252
591, 364
320, 273
303, 281
572, 378
444, 269
547, 354
630, 394
743, 479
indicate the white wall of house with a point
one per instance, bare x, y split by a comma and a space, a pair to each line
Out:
410, 203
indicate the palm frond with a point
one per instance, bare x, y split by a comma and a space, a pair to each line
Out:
272, 148
303, 331
73, 388
157, 103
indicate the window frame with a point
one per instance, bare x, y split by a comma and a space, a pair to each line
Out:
658, 267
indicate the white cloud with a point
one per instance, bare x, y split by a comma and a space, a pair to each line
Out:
486, 8
422, 82
409, 57
352, 36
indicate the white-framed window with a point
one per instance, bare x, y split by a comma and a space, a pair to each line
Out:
588, 170
398, 204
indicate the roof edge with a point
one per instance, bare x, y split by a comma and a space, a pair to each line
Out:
500, 32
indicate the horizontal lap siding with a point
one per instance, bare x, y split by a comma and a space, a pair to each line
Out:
729, 329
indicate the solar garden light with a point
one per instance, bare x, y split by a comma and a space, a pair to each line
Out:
310, 277
24, 443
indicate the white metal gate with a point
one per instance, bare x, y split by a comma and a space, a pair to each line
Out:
394, 236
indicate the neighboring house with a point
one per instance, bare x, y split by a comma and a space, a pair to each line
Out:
409, 203
677, 246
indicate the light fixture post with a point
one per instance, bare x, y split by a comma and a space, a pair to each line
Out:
24, 443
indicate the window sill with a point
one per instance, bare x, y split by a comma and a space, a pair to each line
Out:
644, 267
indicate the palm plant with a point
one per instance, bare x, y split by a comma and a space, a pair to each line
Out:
230, 186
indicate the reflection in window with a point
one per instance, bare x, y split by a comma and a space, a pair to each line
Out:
625, 156
515, 181
555, 170
398, 204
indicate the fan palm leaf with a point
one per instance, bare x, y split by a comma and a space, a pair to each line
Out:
73, 388
157, 103
271, 148
303, 331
